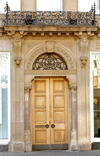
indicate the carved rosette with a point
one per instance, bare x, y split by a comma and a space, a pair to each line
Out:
83, 60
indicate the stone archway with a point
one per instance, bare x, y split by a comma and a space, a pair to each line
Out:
30, 74
57, 48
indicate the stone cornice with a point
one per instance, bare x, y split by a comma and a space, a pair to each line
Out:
50, 28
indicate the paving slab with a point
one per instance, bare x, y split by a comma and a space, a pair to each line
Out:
54, 153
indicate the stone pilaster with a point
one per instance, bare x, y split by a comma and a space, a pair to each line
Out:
17, 94
83, 92
73, 99
27, 118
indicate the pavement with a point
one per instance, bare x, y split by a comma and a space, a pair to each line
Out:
54, 153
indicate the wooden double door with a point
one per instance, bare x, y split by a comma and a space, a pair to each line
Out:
49, 111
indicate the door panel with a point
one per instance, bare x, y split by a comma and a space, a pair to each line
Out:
49, 112
58, 103
40, 111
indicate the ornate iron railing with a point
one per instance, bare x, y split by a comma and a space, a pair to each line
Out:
60, 18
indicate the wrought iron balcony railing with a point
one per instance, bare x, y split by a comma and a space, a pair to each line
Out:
47, 18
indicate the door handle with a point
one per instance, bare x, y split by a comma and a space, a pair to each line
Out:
52, 126
46, 126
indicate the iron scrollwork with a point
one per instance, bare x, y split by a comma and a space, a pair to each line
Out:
59, 18
49, 62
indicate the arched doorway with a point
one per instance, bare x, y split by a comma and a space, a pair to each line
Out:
49, 105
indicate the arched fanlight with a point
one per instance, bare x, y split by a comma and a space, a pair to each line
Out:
49, 62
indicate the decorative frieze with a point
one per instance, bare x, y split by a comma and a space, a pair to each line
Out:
83, 60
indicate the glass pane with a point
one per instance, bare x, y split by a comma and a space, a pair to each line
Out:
49, 5
96, 93
4, 71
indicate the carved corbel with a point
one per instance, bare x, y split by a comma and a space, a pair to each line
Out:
90, 34
83, 60
34, 34
67, 34
50, 46
17, 44
78, 33
50, 34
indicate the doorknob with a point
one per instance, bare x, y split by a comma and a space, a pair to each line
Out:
46, 126
52, 126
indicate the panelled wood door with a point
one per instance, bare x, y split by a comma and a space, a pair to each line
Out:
49, 113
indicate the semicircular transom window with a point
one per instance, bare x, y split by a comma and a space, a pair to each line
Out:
49, 62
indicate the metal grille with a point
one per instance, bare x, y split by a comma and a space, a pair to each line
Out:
59, 18
49, 62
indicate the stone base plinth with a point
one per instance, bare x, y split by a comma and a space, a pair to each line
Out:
73, 145
17, 147
84, 145
27, 138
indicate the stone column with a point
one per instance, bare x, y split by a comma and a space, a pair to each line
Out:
27, 118
73, 100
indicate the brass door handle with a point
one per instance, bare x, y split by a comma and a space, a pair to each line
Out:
52, 126
46, 126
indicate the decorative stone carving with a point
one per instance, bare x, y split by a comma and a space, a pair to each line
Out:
17, 43
28, 86
72, 87
83, 60
50, 46
60, 49
17, 61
